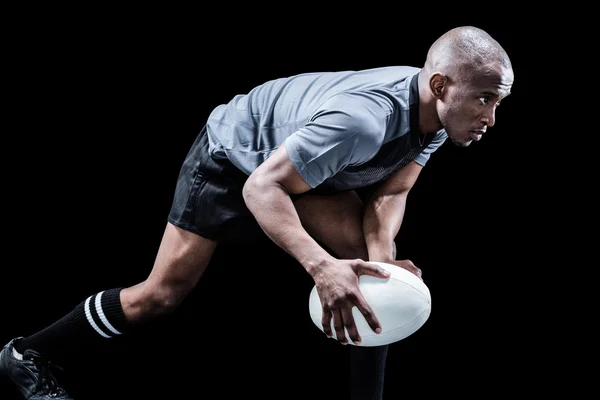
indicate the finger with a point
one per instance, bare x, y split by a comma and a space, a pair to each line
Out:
416, 271
338, 325
368, 313
411, 267
350, 325
326, 322
373, 270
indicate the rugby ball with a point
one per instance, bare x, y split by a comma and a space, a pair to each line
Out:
401, 303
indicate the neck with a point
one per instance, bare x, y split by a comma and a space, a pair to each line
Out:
428, 118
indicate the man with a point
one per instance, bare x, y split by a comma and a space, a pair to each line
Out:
323, 163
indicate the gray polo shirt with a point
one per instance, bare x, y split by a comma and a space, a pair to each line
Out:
342, 130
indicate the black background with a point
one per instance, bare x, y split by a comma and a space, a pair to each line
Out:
103, 108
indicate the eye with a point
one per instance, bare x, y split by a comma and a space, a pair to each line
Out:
486, 99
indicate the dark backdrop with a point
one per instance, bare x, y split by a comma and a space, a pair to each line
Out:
104, 110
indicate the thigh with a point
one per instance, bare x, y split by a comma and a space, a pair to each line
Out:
181, 259
335, 221
208, 197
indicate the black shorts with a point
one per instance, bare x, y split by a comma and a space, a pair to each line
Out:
208, 197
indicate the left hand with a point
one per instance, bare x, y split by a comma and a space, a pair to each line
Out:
407, 265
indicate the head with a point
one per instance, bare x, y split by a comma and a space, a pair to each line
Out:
465, 77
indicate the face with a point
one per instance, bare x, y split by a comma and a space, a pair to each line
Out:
467, 108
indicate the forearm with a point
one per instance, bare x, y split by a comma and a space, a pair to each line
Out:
381, 223
274, 211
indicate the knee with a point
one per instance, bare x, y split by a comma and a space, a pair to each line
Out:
166, 299
148, 300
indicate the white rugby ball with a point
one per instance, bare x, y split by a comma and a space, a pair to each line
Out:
401, 303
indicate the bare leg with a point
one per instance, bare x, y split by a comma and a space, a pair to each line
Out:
336, 221
181, 260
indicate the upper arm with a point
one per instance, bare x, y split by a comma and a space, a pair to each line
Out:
279, 170
347, 129
402, 181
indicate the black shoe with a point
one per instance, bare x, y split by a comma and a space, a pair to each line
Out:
30, 376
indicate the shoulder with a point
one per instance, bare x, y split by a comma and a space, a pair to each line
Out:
355, 111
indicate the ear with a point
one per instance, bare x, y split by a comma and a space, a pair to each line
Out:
437, 84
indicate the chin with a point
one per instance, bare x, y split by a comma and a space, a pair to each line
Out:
460, 143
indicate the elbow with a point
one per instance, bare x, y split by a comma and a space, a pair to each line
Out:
253, 187
248, 190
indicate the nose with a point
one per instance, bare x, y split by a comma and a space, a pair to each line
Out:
489, 118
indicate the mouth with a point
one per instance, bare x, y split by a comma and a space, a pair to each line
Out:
476, 135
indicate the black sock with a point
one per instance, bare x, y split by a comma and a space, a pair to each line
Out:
368, 372
97, 318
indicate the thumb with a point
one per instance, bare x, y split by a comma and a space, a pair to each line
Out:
374, 270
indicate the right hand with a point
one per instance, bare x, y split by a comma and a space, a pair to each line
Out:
337, 286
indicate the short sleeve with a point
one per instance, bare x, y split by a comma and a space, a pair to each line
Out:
348, 129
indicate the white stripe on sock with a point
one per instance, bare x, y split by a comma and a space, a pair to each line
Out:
102, 316
88, 315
